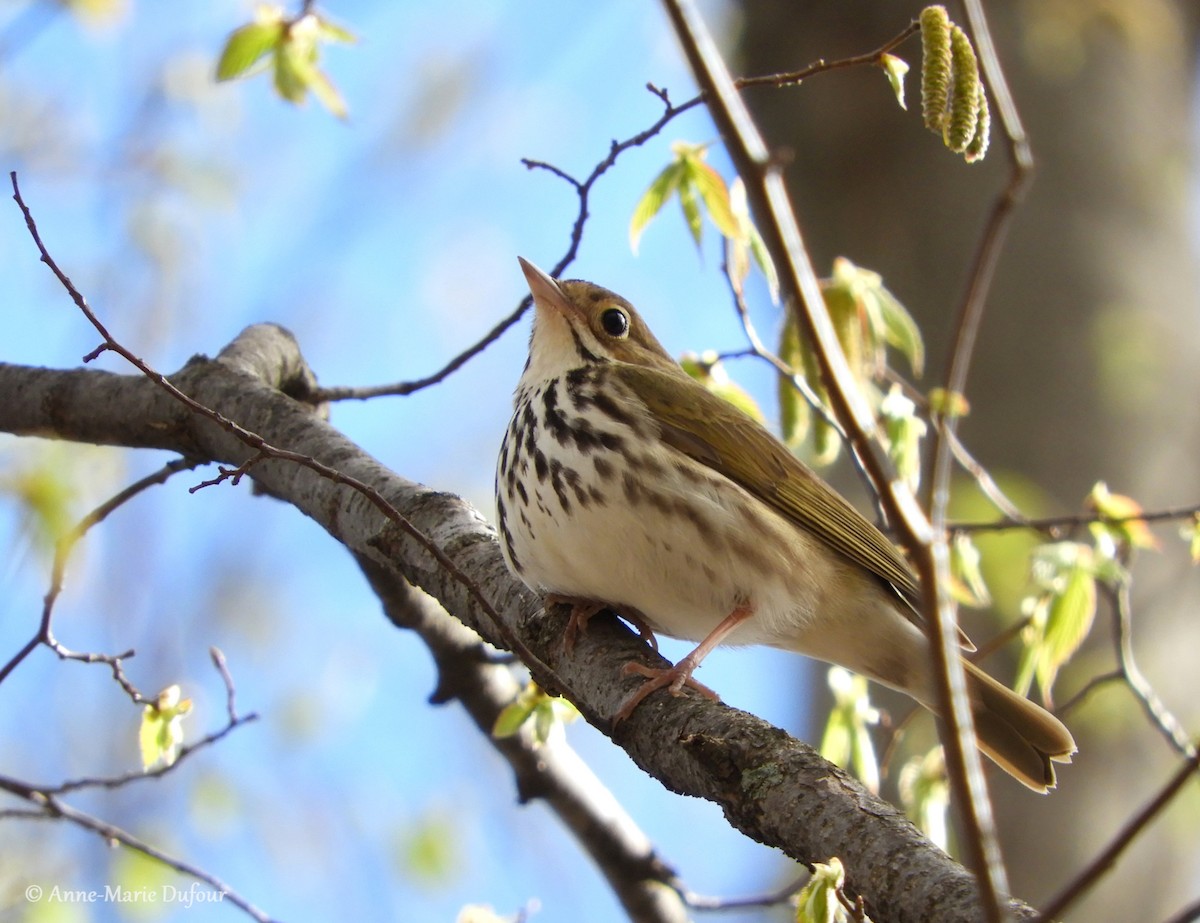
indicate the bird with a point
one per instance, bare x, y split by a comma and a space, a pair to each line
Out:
623, 484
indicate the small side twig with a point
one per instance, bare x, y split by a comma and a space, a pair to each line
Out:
1156, 710
233, 722
583, 189
1060, 525
50, 807
262, 448
62, 553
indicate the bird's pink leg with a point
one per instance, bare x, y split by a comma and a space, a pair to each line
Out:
673, 679
582, 611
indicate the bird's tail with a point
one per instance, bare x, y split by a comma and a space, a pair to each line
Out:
1023, 738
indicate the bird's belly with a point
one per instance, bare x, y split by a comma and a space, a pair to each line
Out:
680, 544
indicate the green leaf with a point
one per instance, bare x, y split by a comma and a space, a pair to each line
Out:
714, 194
700, 189
895, 68
925, 794
294, 65
947, 404
1060, 614
1190, 533
905, 430
748, 243
691, 210
248, 45
1068, 621
966, 571
761, 256
326, 93
652, 201
292, 72
548, 713
510, 719
331, 32
847, 738
826, 440
709, 371
887, 319
1131, 532
794, 412
819, 900
900, 331
160, 735
427, 850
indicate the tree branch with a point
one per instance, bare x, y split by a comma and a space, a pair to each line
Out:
771, 787
553, 771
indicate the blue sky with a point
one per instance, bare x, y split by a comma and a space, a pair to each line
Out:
387, 245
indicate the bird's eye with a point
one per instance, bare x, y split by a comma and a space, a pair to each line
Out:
615, 322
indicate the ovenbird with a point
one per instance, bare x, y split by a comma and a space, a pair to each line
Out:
624, 484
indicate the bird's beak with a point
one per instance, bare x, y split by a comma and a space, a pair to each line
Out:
545, 290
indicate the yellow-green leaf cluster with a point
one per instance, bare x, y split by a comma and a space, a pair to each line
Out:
895, 69
697, 185
291, 48
1060, 610
710, 372
847, 738
821, 900
46, 496
546, 712
1119, 527
953, 101
868, 319
925, 794
160, 734
747, 244
947, 404
905, 430
967, 585
1190, 533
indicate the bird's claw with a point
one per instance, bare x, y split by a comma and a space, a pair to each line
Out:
673, 679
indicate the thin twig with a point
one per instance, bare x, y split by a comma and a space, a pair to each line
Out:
52, 808
979, 474
759, 350
1091, 686
1057, 525
218, 659
263, 448
1103, 862
1156, 710
583, 189
62, 552
770, 899
232, 723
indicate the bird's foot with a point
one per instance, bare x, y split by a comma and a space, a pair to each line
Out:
673, 679
582, 611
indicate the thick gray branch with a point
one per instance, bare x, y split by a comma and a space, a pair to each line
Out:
773, 788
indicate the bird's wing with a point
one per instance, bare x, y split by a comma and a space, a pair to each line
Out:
709, 430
